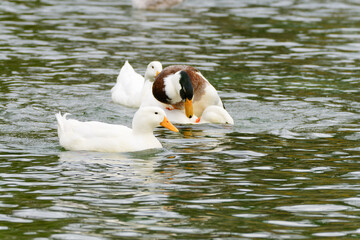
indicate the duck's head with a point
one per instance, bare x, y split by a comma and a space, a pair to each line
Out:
152, 70
186, 93
148, 118
216, 114
177, 88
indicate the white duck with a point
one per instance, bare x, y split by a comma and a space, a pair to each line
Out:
130, 87
211, 114
155, 4
103, 137
185, 87
216, 114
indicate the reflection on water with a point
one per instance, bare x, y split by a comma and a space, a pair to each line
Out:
287, 72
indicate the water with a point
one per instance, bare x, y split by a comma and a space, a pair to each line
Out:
287, 71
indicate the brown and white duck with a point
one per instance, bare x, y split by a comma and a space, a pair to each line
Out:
185, 87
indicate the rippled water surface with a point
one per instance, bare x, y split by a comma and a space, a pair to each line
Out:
287, 71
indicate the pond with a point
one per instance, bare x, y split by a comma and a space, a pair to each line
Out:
286, 70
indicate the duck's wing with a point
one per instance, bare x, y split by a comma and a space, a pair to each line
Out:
98, 129
92, 129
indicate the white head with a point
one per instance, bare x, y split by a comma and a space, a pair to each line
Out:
216, 114
148, 118
152, 70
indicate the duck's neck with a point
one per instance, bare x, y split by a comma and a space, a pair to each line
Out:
146, 138
149, 77
146, 92
148, 83
143, 131
139, 127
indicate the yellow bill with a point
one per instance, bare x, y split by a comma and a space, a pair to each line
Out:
189, 108
168, 125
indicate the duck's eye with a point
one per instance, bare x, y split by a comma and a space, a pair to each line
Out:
152, 67
156, 112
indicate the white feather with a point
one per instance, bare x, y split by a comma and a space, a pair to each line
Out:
173, 87
209, 97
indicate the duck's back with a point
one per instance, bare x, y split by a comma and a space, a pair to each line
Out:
92, 136
128, 88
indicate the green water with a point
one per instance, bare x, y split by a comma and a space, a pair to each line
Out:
287, 71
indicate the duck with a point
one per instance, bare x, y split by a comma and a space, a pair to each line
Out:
96, 136
184, 86
155, 4
216, 114
130, 87
212, 114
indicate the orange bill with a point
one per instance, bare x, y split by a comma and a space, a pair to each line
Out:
157, 73
168, 125
189, 108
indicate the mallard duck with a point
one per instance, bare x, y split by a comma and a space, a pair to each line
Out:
185, 87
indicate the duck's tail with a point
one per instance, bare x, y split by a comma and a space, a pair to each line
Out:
61, 119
